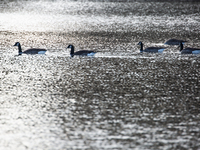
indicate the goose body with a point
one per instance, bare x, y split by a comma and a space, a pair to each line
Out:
151, 49
174, 42
81, 52
30, 51
188, 50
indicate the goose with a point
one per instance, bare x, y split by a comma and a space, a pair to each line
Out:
174, 42
30, 51
188, 50
81, 52
151, 49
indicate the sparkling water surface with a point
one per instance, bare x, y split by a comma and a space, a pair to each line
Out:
118, 99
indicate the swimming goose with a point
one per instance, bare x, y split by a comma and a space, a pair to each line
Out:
174, 42
151, 49
188, 50
81, 52
30, 51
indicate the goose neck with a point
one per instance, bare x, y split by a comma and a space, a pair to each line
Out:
72, 50
20, 49
141, 47
181, 46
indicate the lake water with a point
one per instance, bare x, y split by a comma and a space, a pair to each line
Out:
118, 99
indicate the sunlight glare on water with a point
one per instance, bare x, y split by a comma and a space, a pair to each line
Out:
118, 99
75, 16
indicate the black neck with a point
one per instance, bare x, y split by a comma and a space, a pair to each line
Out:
181, 46
141, 48
72, 51
20, 49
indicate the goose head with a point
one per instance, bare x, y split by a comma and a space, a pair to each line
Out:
17, 44
140, 43
72, 49
19, 47
70, 46
141, 48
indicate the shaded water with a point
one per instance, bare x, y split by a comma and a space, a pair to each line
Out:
119, 99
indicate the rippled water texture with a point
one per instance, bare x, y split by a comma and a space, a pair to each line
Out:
119, 99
